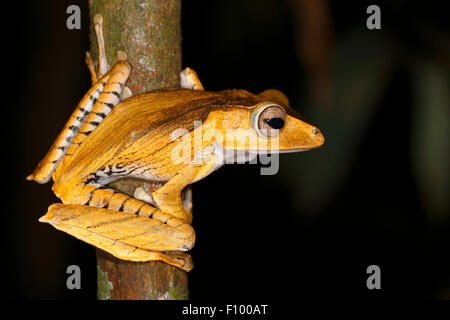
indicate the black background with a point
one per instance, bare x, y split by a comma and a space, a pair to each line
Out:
253, 240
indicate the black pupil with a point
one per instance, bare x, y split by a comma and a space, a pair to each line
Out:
276, 123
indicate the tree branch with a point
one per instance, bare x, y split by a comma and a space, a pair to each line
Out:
149, 32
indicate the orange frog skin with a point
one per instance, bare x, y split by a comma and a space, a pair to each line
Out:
172, 137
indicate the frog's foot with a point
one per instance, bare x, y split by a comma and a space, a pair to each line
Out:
141, 194
125, 235
187, 200
91, 66
190, 80
103, 66
126, 93
179, 259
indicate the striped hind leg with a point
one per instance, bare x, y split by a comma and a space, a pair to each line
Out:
103, 65
91, 110
109, 96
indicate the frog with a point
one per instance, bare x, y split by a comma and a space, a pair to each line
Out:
170, 137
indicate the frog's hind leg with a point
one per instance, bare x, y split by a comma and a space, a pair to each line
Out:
126, 227
102, 197
113, 90
109, 96
126, 236
91, 110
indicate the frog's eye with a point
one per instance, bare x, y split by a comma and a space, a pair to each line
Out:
270, 118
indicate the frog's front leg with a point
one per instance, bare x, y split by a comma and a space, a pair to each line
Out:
168, 197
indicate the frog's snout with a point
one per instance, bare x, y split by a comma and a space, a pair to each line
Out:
317, 137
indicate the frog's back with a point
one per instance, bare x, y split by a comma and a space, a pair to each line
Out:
135, 126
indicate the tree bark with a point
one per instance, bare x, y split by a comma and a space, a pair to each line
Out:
149, 32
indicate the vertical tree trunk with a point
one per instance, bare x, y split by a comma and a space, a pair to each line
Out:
149, 32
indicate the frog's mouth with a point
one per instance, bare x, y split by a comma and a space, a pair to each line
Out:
242, 156
283, 151
256, 152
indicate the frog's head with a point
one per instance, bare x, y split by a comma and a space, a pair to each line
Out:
266, 122
274, 118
